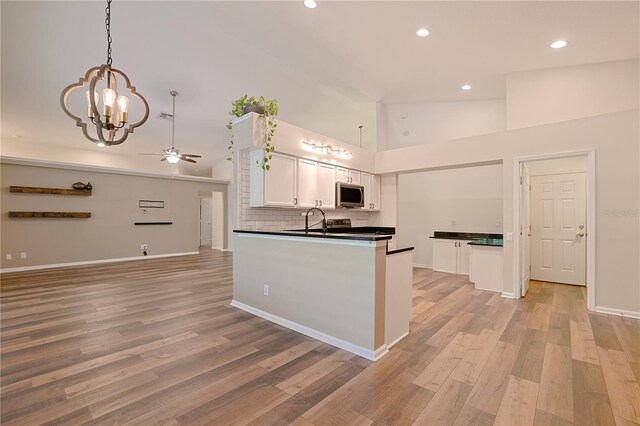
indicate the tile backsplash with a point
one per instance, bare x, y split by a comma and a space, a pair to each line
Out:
274, 219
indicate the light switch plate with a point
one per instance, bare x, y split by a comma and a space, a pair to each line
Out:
509, 236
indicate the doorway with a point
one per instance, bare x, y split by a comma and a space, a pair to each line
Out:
555, 218
205, 222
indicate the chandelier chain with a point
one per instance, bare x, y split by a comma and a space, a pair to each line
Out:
107, 22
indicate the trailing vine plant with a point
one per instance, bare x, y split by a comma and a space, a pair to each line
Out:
268, 110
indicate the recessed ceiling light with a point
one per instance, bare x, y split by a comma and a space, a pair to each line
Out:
466, 87
311, 4
422, 32
559, 44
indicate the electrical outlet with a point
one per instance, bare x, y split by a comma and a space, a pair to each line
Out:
509, 236
23, 255
265, 290
9, 257
498, 223
144, 246
453, 222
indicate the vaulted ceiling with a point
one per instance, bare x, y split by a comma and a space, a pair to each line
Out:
327, 67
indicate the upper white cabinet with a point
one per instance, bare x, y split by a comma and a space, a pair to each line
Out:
371, 184
276, 187
347, 176
327, 186
307, 183
298, 182
316, 184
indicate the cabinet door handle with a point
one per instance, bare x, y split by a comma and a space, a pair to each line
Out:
320, 203
295, 201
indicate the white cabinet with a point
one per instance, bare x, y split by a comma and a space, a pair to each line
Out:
316, 184
347, 176
451, 256
307, 183
371, 185
327, 186
276, 187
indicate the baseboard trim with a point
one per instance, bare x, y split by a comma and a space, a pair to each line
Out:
390, 345
318, 335
228, 250
619, 312
508, 295
94, 262
422, 265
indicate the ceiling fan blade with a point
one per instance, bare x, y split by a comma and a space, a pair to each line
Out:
192, 155
183, 158
163, 159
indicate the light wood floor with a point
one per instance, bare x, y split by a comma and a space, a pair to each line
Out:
156, 341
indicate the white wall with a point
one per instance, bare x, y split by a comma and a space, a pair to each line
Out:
110, 233
557, 165
559, 94
614, 137
439, 121
432, 200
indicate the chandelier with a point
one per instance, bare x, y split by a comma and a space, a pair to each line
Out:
111, 122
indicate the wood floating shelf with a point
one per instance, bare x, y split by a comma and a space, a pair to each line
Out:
72, 215
51, 191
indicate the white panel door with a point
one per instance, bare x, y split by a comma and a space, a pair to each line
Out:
307, 183
327, 186
374, 192
558, 220
365, 181
280, 182
205, 222
445, 256
354, 177
525, 231
342, 175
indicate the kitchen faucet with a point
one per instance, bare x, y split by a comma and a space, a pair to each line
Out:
306, 220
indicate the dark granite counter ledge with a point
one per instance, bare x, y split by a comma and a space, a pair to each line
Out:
445, 235
320, 234
491, 242
400, 250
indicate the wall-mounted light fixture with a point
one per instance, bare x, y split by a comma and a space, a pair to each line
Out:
326, 149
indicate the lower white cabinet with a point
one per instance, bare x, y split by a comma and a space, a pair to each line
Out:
273, 188
452, 256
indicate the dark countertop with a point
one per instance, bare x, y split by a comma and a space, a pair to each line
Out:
317, 233
491, 242
447, 235
400, 250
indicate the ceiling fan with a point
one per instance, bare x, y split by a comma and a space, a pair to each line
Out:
173, 155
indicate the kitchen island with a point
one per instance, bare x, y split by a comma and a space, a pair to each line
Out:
334, 287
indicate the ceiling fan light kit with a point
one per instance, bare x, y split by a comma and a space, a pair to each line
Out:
114, 114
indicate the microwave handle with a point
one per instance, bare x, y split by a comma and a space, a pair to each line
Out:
362, 195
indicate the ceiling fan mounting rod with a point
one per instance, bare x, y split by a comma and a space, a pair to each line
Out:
173, 120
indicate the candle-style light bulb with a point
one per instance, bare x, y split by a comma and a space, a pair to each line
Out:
108, 97
90, 113
123, 106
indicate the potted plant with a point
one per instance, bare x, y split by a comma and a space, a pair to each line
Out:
268, 110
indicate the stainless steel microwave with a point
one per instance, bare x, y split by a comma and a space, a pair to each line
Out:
349, 195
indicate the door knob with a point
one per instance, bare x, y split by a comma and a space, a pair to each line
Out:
580, 234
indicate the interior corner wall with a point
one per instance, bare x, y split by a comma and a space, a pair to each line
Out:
110, 233
431, 122
465, 199
560, 94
